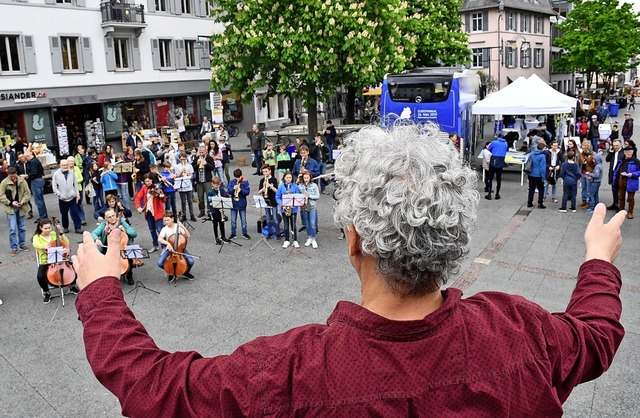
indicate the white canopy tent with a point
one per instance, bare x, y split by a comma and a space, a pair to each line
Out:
531, 96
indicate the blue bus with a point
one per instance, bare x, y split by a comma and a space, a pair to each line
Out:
442, 95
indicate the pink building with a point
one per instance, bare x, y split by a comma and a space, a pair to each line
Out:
509, 38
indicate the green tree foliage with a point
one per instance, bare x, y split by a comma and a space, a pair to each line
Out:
599, 37
306, 48
438, 27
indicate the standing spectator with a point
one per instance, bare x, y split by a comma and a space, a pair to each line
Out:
203, 167
227, 156
498, 150
626, 174
22, 168
614, 155
594, 178
594, 133
569, 173
96, 183
632, 101
586, 164
537, 175
10, 156
15, 195
36, 182
486, 161
258, 141
330, 139
206, 127
65, 188
133, 138
79, 179
20, 145
627, 127
555, 161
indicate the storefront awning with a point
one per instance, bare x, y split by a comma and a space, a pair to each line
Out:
73, 100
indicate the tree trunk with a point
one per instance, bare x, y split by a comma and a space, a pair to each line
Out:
312, 111
349, 117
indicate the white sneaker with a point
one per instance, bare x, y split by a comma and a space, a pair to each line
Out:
295, 244
286, 244
306, 244
314, 244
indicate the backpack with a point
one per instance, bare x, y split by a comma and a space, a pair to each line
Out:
584, 128
528, 165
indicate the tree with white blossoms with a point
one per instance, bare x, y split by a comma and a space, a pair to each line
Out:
307, 48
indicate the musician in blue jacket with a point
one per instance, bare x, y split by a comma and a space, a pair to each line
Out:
239, 190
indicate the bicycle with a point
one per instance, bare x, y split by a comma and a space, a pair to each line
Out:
232, 131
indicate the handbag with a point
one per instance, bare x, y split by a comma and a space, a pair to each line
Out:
89, 190
528, 165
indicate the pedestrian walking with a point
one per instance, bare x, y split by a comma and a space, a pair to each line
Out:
498, 150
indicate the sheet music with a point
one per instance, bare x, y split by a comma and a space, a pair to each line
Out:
260, 202
55, 255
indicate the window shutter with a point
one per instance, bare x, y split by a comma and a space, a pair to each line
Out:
542, 58
200, 8
81, 3
29, 55
181, 60
50, 1
486, 58
542, 25
204, 56
110, 54
136, 55
87, 56
176, 6
56, 54
155, 54
151, 6
467, 22
485, 22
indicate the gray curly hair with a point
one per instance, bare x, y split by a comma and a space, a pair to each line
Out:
412, 203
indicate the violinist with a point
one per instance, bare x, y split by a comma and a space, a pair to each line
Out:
215, 213
168, 233
43, 238
114, 221
114, 203
150, 202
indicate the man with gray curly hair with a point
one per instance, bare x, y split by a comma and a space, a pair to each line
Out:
408, 348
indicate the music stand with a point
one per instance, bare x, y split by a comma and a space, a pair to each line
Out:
295, 200
180, 184
286, 165
220, 203
133, 252
55, 255
261, 204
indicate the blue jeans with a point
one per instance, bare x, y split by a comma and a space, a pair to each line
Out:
171, 203
37, 189
65, 208
272, 220
81, 210
594, 143
311, 220
243, 220
257, 157
594, 197
219, 171
165, 254
123, 192
330, 146
322, 182
585, 188
154, 228
17, 230
98, 202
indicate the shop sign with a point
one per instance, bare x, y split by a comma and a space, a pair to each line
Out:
38, 123
23, 96
113, 120
217, 109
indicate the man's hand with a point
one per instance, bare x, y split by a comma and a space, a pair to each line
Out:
602, 240
90, 264
140, 210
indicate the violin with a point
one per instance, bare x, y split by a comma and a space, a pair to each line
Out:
62, 273
176, 263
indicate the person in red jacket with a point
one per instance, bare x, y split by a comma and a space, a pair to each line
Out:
150, 202
408, 348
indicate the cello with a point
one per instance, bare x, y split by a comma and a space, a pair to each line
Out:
176, 263
60, 273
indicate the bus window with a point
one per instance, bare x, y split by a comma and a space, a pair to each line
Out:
416, 90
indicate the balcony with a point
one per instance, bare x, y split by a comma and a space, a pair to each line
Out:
122, 17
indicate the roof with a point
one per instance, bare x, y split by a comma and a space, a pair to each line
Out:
537, 6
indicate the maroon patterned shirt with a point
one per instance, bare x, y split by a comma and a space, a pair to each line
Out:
489, 355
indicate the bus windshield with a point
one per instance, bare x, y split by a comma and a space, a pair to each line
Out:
419, 89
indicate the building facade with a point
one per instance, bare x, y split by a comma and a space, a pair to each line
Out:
71, 67
509, 38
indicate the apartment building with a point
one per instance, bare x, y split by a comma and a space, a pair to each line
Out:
510, 38
71, 63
